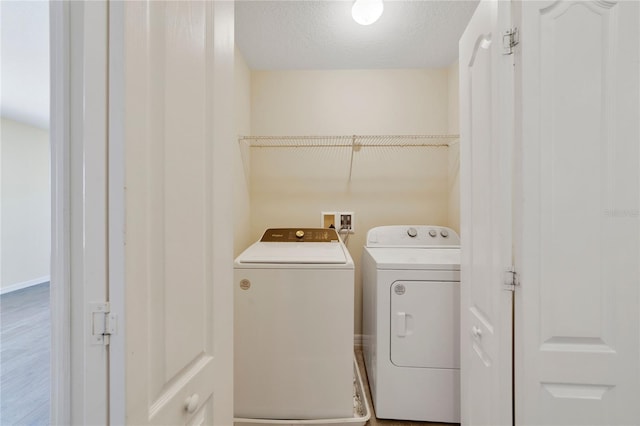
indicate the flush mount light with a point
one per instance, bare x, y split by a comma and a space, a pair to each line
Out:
366, 12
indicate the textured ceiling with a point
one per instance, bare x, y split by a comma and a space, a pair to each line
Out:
320, 34
309, 34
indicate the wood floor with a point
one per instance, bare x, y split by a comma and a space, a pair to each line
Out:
25, 323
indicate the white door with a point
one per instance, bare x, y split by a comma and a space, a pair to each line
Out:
486, 77
578, 241
171, 78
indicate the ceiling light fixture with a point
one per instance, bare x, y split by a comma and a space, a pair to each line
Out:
366, 12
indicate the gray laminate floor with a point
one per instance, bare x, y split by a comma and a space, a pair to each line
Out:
24, 356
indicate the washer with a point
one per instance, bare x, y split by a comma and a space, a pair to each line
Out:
411, 322
294, 302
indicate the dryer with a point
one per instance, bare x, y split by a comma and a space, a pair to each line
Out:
293, 341
411, 322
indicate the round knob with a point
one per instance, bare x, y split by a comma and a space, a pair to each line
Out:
433, 233
191, 403
412, 232
300, 233
444, 233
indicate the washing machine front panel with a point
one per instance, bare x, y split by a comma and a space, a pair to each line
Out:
425, 323
293, 343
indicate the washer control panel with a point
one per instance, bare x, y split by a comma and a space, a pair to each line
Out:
412, 235
300, 235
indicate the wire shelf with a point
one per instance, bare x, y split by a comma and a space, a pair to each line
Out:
353, 142
349, 141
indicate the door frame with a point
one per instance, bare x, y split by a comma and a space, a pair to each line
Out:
60, 412
116, 214
78, 195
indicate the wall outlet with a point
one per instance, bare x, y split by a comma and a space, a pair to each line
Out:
346, 221
339, 220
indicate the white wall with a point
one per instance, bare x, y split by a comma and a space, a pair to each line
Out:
25, 233
242, 157
291, 186
454, 149
349, 102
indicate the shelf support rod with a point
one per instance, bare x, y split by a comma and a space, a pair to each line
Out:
353, 148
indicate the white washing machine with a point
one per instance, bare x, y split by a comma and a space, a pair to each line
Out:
293, 342
411, 322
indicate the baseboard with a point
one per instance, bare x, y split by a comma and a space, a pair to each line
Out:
24, 284
357, 340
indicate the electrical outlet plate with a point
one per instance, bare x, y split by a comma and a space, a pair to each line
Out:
346, 220
340, 220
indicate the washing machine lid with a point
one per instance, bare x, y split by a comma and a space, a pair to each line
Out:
416, 258
293, 253
302, 246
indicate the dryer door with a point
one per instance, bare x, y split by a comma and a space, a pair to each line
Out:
425, 324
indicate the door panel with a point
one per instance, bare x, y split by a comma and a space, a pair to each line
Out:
178, 60
574, 76
578, 243
425, 324
485, 144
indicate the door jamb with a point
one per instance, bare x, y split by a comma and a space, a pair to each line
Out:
78, 194
116, 214
59, 22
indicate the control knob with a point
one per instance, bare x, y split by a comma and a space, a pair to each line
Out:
433, 233
300, 233
444, 233
412, 232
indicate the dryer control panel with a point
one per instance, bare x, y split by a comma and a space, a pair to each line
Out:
300, 235
413, 236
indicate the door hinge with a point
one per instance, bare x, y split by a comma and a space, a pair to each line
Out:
103, 323
510, 39
511, 279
